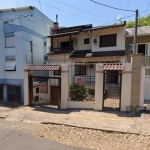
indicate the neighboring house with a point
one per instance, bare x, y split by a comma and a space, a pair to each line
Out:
143, 41
83, 46
24, 32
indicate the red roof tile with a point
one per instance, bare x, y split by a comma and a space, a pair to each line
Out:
113, 67
42, 67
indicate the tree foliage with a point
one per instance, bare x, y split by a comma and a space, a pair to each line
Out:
143, 21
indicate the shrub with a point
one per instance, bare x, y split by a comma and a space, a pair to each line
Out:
77, 92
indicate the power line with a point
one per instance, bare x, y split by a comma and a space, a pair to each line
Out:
125, 17
67, 11
111, 6
127, 7
43, 17
147, 8
80, 9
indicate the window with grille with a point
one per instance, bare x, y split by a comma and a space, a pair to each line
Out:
108, 40
86, 41
14, 93
57, 72
1, 92
80, 70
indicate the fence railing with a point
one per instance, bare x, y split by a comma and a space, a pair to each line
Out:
146, 61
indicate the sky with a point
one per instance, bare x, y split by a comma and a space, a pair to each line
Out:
91, 13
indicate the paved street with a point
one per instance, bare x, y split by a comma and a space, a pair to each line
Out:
17, 136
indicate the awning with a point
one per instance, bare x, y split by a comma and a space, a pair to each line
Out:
113, 67
42, 67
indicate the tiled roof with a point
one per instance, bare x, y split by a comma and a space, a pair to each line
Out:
42, 67
113, 67
141, 31
83, 54
107, 26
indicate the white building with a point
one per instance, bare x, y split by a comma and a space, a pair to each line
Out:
23, 35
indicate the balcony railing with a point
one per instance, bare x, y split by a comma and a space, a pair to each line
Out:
67, 49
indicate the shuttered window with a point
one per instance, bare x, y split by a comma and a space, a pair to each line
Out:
108, 40
9, 41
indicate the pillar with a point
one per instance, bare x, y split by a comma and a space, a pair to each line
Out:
26, 88
5, 97
136, 60
126, 87
99, 87
64, 86
142, 84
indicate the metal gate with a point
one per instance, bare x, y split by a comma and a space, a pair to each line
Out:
112, 90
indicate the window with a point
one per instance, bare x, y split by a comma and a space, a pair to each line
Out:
9, 42
1, 92
36, 98
80, 70
37, 90
65, 44
142, 48
57, 72
10, 65
14, 93
108, 40
86, 41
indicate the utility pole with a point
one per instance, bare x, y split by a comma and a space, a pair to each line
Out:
135, 33
31, 49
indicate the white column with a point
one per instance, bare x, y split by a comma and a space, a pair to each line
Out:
26, 89
126, 87
64, 86
99, 87
142, 85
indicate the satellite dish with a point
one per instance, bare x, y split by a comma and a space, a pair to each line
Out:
118, 18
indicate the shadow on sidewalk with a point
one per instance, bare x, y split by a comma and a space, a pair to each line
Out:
10, 105
68, 111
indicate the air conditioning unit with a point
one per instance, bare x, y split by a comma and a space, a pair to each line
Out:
130, 47
75, 42
95, 41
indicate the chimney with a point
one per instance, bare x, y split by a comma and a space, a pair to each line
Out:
56, 24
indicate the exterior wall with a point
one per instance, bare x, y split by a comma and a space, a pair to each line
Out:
126, 87
80, 41
2, 52
136, 79
22, 52
34, 23
25, 29
80, 105
120, 39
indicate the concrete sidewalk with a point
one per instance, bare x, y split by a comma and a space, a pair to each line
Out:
110, 121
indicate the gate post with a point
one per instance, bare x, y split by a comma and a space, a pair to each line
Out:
64, 86
142, 84
99, 87
26, 88
126, 87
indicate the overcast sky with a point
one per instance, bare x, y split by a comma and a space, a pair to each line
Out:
69, 16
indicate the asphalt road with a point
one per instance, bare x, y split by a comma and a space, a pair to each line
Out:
14, 137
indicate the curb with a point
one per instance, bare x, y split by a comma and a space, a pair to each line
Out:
90, 128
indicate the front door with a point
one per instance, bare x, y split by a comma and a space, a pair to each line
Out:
54, 95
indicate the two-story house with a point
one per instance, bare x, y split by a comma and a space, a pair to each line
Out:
87, 45
24, 32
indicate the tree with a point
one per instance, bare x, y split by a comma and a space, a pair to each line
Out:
143, 21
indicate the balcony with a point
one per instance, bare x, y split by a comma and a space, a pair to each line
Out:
62, 50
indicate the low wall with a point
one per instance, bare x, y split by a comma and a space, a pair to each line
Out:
81, 105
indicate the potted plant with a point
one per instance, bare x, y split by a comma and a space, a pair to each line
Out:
91, 93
